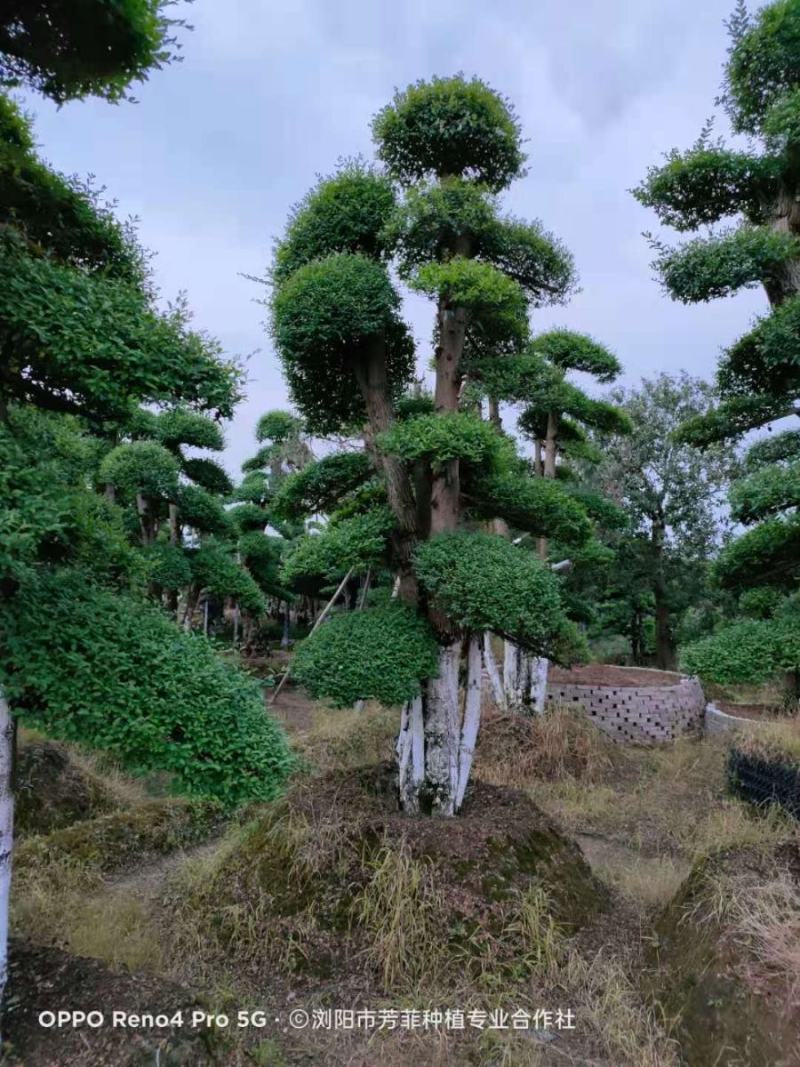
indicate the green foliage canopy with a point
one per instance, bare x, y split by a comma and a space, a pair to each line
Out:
441, 437
76, 343
483, 582
347, 212
104, 669
77, 48
717, 266
144, 467
320, 486
324, 317
450, 127
746, 652
381, 653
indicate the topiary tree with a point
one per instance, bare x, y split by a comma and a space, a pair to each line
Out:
284, 451
758, 189
449, 146
69, 49
556, 416
80, 332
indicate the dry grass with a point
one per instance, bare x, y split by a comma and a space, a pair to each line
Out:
348, 738
648, 882
115, 928
773, 740
767, 922
559, 745
402, 908
627, 1028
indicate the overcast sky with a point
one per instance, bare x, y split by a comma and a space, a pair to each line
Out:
272, 92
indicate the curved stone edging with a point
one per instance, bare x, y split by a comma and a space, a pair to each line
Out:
638, 714
720, 722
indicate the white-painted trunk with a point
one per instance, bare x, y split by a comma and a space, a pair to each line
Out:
524, 680
6, 830
411, 755
513, 685
472, 717
442, 722
495, 680
517, 670
539, 668
436, 743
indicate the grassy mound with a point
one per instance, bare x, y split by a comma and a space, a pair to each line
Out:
333, 882
53, 790
54, 872
729, 955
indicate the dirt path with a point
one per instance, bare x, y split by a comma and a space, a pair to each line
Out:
146, 881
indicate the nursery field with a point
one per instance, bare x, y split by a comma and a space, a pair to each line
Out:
416, 682
577, 879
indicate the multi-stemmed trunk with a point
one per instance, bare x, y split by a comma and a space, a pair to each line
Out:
524, 674
438, 732
524, 680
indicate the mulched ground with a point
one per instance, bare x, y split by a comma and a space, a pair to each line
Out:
609, 674
45, 979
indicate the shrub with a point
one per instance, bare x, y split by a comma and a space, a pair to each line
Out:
381, 653
113, 673
749, 651
483, 582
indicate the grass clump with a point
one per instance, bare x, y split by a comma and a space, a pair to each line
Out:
773, 741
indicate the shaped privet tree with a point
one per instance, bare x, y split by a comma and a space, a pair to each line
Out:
283, 450
758, 377
79, 329
450, 145
556, 416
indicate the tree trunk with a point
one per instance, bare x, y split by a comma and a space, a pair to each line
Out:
540, 666
665, 644
445, 490
494, 675
145, 520
472, 717
373, 382
784, 284
436, 741
515, 675
286, 625
192, 598
7, 736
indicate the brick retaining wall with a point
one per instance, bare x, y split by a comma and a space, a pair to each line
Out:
641, 714
720, 722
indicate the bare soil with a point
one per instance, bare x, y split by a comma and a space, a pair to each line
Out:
47, 979
612, 675
294, 708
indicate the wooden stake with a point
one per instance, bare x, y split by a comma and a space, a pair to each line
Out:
321, 617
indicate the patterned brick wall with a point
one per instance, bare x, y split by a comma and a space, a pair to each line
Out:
640, 714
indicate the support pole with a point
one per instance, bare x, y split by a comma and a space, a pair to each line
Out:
322, 616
